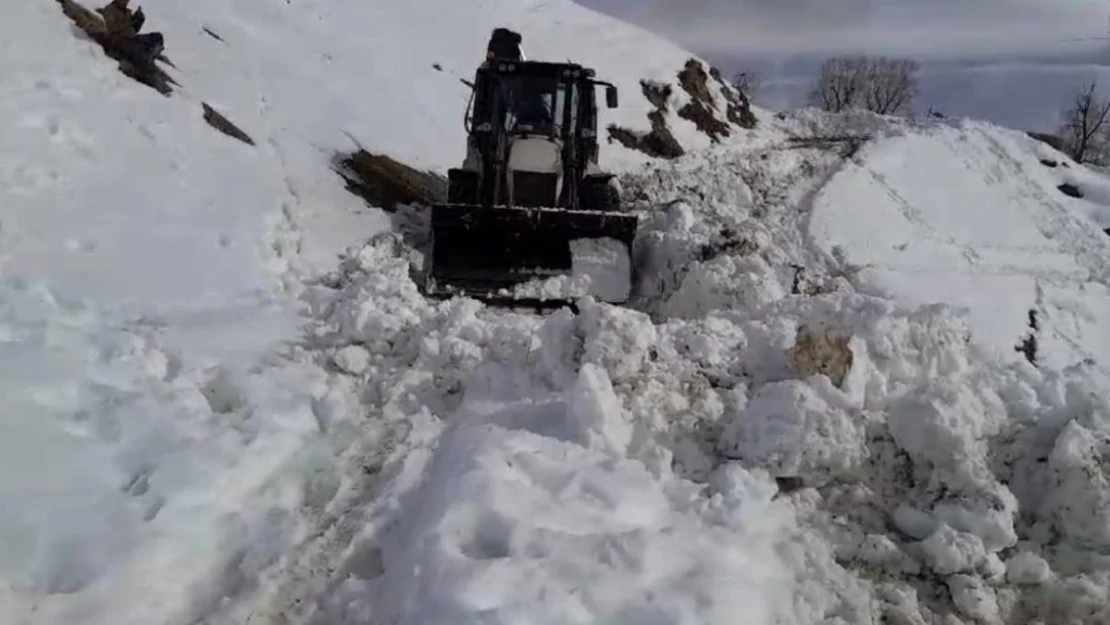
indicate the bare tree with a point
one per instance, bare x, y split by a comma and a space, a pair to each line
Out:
838, 86
1086, 127
747, 83
890, 85
881, 85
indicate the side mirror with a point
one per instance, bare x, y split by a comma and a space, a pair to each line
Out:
611, 96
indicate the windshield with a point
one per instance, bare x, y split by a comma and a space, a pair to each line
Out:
534, 104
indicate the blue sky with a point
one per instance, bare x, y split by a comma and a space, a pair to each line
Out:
1013, 61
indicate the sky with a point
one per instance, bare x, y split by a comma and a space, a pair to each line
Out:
1015, 62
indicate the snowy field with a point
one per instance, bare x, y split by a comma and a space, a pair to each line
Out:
812, 412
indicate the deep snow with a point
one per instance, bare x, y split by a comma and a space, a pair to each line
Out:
681, 463
784, 427
157, 420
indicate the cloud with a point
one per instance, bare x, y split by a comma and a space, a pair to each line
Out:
930, 29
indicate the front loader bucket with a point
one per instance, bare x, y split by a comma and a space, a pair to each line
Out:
484, 252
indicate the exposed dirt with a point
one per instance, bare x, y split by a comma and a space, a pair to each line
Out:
387, 183
822, 351
714, 119
658, 93
1070, 190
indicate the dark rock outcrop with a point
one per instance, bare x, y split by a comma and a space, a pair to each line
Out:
385, 182
659, 142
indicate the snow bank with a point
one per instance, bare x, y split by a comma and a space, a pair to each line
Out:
996, 237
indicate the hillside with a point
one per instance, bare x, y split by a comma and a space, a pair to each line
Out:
302, 79
223, 400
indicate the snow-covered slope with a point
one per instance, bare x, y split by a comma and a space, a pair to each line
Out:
988, 228
302, 79
784, 429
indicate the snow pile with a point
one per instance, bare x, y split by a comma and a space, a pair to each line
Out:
165, 446
600, 268
557, 464
939, 459
534, 485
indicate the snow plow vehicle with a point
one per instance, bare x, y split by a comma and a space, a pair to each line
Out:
529, 217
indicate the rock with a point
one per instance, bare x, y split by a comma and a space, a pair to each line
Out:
224, 125
659, 142
826, 352
1070, 190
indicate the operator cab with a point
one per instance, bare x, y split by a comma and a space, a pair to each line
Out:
532, 133
536, 95
537, 98
531, 103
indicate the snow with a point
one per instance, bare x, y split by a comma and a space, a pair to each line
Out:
999, 249
167, 440
224, 400
600, 268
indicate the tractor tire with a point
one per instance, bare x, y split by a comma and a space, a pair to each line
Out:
611, 198
462, 186
600, 195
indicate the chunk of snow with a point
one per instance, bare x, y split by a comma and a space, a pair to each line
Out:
792, 429
353, 359
948, 551
595, 412
1027, 568
600, 268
